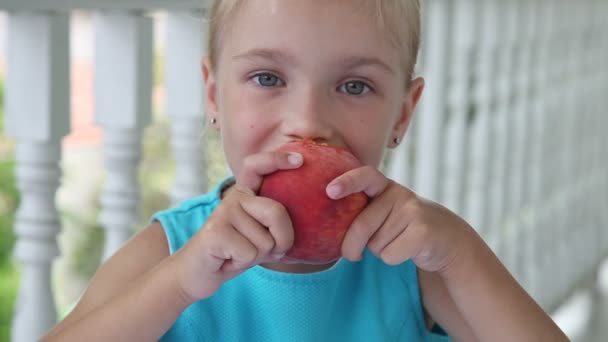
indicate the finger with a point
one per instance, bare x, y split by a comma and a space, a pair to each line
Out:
228, 249
364, 227
256, 166
405, 246
363, 179
272, 215
255, 232
393, 226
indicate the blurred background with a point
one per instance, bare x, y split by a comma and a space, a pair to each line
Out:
101, 125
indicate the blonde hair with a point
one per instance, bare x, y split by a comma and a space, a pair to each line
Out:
400, 19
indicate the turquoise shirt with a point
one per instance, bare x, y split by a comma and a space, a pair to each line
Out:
360, 301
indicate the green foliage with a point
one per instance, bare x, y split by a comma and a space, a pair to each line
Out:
9, 283
157, 170
9, 198
8, 203
86, 254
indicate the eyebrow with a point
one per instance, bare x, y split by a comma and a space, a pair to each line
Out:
355, 61
281, 57
275, 55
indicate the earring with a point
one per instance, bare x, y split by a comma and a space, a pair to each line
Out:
213, 121
397, 141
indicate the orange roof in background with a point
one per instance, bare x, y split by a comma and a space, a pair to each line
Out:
83, 129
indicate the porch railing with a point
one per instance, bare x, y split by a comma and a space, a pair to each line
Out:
510, 133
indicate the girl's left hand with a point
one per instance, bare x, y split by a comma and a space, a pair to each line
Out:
398, 225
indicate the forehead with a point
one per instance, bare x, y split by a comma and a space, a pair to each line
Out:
319, 28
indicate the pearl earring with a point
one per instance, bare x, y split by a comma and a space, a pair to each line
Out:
397, 140
213, 121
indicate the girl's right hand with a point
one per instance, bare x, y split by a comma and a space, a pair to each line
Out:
243, 231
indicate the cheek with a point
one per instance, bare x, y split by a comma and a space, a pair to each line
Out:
369, 136
236, 110
242, 128
368, 144
372, 154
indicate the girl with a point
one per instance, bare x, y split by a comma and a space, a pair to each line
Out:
338, 72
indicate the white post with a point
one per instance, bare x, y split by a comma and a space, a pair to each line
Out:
586, 204
549, 228
501, 127
184, 85
37, 109
533, 262
559, 150
456, 157
574, 90
429, 149
600, 141
123, 86
543, 250
480, 140
517, 130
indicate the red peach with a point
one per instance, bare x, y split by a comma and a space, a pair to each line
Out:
319, 222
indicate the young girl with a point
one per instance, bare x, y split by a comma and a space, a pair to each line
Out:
337, 72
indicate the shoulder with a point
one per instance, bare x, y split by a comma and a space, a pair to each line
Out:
183, 221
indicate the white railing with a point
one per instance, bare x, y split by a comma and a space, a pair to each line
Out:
510, 133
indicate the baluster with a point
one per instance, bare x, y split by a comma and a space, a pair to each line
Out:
551, 177
123, 86
582, 247
601, 139
533, 164
480, 142
184, 84
556, 151
456, 151
567, 241
577, 107
576, 111
544, 251
438, 19
37, 109
592, 129
540, 233
502, 131
518, 128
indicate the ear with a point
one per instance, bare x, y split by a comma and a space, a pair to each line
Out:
211, 107
412, 96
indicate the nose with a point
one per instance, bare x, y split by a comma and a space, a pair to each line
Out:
308, 116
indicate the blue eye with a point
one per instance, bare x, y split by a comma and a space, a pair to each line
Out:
267, 79
355, 88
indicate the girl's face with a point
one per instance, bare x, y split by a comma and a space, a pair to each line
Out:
307, 69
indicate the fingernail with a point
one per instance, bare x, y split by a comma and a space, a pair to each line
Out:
294, 158
333, 191
278, 256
